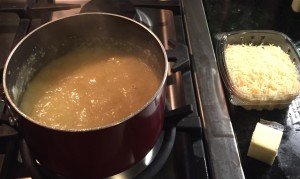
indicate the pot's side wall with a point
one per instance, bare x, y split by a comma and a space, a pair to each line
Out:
98, 153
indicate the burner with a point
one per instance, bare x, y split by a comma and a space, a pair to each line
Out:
124, 7
147, 167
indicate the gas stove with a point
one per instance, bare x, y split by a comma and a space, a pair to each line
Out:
180, 151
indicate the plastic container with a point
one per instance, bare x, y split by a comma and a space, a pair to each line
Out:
255, 37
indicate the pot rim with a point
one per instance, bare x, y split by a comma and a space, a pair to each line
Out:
163, 81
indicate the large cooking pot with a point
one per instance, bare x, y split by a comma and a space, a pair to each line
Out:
102, 151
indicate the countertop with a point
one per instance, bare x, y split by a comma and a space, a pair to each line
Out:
232, 15
226, 16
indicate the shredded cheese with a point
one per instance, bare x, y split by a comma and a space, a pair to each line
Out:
263, 72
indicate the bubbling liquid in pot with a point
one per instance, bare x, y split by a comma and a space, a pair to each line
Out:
88, 88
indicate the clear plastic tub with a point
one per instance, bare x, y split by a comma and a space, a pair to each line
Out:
255, 37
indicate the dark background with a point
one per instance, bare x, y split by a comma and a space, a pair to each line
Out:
231, 15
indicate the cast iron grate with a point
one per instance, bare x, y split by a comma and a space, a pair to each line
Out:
176, 55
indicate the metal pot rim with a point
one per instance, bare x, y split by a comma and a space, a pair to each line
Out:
163, 81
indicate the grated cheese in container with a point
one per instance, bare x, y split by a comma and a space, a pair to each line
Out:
259, 68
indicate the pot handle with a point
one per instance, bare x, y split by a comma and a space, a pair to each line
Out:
6, 114
297, 44
13, 120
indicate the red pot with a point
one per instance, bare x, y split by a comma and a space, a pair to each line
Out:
102, 151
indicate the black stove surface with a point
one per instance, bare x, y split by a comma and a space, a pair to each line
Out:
187, 158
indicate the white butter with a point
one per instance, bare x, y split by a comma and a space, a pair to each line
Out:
264, 143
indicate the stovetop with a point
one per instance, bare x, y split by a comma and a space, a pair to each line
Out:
187, 157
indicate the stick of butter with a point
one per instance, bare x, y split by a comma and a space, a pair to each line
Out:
264, 143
